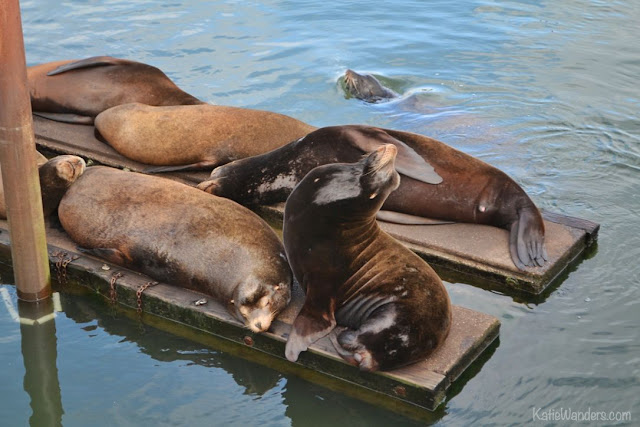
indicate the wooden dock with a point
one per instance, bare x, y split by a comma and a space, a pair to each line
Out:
421, 385
477, 253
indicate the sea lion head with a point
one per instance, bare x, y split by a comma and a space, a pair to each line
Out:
349, 190
365, 87
257, 302
259, 180
68, 168
56, 176
238, 180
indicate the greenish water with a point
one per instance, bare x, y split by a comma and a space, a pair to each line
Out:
546, 91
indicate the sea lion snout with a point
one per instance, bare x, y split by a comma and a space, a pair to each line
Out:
257, 303
69, 167
385, 155
209, 186
379, 170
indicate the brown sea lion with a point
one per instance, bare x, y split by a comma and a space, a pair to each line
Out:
366, 87
176, 234
471, 191
56, 175
75, 91
194, 136
391, 305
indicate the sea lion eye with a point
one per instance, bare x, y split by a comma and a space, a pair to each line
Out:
244, 310
316, 180
263, 302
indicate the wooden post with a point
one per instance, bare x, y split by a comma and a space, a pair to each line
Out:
18, 160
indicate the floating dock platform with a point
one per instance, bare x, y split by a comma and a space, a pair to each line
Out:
477, 253
422, 385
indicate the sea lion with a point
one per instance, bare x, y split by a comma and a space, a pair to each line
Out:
366, 87
178, 235
393, 307
75, 91
471, 190
56, 175
194, 136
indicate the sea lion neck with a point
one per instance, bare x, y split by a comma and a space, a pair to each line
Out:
360, 233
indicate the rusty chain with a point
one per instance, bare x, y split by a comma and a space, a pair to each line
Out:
113, 297
61, 265
139, 292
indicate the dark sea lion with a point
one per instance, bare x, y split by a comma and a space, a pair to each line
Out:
471, 191
194, 136
75, 91
393, 307
56, 175
366, 87
178, 235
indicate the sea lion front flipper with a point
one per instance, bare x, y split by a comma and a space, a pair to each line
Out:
66, 118
94, 61
402, 218
205, 164
408, 161
310, 325
115, 256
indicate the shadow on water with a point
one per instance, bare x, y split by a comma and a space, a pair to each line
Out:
257, 373
255, 379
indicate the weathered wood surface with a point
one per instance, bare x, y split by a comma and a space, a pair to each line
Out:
423, 384
476, 251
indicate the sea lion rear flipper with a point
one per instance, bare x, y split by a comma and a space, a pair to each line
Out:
526, 240
94, 61
402, 218
344, 353
109, 254
66, 118
408, 161
205, 164
307, 328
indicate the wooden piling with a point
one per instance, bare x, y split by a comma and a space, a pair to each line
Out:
18, 160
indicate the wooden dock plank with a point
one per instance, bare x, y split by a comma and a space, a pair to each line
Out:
423, 384
483, 251
474, 250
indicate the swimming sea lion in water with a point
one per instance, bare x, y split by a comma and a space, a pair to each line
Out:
75, 91
366, 87
471, 190
178, 235
393, 307
194, 136
56, 175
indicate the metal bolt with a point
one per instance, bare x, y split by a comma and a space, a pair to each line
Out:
400, 391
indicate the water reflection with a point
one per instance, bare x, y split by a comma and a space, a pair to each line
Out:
271, 390
40, 354
255, 379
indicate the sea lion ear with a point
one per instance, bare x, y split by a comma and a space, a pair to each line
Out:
408, 162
